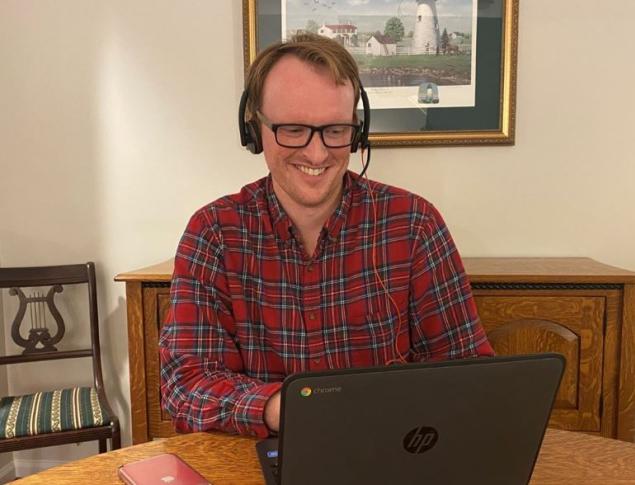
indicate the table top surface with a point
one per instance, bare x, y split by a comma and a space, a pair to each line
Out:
566, 458
480, 270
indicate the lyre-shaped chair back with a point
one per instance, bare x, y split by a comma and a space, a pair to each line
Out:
57, 415
37, 304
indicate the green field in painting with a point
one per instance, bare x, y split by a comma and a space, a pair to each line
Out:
458, 63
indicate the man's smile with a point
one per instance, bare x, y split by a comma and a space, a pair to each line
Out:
311, 171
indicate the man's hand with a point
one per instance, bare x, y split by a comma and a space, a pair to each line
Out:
272, 412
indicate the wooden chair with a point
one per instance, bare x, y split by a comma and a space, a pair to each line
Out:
61, 416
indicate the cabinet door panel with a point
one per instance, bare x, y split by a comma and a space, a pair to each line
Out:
570, 325
527, 336
163, 302
156, 303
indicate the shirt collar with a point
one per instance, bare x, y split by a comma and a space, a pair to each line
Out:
282, 223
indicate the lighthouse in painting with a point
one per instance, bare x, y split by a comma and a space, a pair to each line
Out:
426, 33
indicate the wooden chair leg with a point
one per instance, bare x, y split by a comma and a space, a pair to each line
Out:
103, 447
115, 442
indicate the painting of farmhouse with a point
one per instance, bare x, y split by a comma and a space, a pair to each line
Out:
409, 52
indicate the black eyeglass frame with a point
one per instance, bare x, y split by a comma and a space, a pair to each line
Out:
274, 127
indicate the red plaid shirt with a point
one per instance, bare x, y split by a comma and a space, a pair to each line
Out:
249, 307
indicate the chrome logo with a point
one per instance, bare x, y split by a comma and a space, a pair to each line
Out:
305, 392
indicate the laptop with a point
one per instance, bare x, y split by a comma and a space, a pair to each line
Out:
456, 422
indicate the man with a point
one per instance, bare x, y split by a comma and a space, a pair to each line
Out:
309, 268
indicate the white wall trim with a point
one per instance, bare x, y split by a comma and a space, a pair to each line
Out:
24, 467
7, 473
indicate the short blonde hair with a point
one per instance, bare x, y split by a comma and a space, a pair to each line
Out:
311, 48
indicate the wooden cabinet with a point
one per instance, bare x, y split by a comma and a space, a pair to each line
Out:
578, 307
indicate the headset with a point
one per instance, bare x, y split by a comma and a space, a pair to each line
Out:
251, 138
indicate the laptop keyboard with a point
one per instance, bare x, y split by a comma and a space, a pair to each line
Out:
272, 455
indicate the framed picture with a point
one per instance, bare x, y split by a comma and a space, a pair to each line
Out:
437, 72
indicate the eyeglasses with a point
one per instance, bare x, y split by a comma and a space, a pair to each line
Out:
296, 135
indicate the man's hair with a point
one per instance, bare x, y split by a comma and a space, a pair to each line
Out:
313, 49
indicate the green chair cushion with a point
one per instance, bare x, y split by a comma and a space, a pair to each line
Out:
50, 412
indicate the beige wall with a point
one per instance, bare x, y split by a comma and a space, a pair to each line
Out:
118, 119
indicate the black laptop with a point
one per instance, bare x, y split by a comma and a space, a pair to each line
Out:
475, 421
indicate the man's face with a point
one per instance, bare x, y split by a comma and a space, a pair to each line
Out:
297, 92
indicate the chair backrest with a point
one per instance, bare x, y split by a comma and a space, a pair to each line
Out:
40, 344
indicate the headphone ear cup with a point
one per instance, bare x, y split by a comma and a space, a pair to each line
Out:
365, 128
254, 141
249, 130
360, 139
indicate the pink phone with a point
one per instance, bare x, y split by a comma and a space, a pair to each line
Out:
165, 469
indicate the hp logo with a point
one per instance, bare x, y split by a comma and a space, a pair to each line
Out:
420, 439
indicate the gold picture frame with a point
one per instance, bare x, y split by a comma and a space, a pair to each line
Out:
491, 56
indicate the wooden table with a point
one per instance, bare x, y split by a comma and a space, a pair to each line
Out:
566, 458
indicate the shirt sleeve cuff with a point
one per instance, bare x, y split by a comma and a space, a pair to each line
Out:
249, 412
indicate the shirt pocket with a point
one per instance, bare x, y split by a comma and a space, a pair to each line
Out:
371, 337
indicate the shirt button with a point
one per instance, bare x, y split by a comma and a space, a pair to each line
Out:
317, 361
312, 316
310, 268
